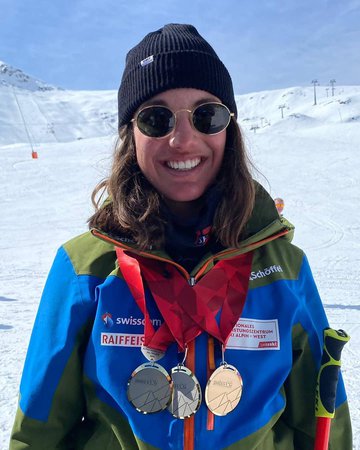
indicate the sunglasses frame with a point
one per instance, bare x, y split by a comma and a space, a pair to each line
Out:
174, 113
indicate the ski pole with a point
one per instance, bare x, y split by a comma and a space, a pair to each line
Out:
334, 341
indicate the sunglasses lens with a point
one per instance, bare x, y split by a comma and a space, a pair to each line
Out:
155, 121
211, 118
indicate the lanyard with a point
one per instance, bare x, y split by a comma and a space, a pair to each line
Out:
188, 310
158, 339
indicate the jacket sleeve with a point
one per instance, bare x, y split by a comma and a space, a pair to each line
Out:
51, 401
301, 384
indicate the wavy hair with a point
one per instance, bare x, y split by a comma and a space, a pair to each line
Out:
133, 206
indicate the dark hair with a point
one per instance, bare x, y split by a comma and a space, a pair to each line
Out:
133, 206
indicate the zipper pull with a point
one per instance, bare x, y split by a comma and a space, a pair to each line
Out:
192, 281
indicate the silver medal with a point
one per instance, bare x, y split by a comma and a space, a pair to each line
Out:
186, 398
150, 388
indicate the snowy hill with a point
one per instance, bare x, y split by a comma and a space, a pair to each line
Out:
260, 110
310, 157
34, 114
55, 116
10, 76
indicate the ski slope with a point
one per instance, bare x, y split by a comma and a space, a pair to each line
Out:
310, 158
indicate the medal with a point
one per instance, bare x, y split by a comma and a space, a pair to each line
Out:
149, 388
223, 390
186, 398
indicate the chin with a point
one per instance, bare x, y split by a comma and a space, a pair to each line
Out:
185, 198
187, 195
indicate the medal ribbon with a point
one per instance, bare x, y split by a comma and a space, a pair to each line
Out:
130, 269
188, 310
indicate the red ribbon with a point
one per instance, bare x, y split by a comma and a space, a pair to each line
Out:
188, 310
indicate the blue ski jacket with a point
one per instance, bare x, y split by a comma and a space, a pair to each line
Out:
87, 338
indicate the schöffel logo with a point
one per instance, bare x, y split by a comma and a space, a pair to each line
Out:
265, 272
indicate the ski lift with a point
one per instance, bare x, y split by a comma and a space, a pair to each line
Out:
34, 153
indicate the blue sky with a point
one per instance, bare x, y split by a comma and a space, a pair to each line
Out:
266, 44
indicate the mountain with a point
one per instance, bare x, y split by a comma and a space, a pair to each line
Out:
10, 76
294, 107
35, 112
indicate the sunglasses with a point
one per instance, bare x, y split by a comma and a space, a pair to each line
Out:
158, 121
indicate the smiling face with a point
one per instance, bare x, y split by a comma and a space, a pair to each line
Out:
182, 165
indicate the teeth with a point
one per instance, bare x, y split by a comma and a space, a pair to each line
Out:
184, 165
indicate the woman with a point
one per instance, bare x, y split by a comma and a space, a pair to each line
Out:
185, 318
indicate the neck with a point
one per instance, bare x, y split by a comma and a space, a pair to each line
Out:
184, 210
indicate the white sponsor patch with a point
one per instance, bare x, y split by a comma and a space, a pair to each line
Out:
147, 61
122, 339
253, 334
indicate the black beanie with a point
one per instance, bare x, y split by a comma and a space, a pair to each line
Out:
176, 56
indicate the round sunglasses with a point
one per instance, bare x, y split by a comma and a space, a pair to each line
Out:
158, 121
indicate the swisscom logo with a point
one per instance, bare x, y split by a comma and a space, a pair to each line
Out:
108, 321
136, 321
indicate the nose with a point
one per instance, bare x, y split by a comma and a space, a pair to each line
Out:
183, 133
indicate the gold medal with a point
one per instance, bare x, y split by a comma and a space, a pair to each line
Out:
186, 398
150, 388
223, 390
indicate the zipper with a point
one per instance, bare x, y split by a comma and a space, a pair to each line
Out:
210, 423
192, 281
189, 422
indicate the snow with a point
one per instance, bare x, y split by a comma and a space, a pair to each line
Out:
309, 158
11, 76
